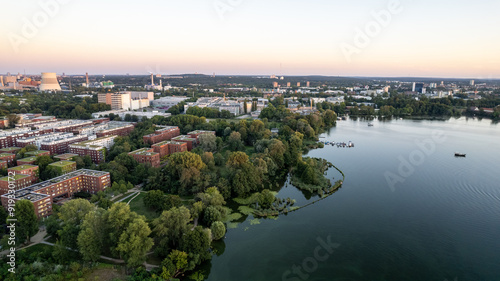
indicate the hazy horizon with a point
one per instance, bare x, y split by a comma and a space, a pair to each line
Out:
450, 39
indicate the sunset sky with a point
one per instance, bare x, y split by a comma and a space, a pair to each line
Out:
422, 39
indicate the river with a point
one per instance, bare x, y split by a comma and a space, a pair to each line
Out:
408, 210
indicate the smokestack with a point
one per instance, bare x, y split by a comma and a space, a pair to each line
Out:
87, 78
152, 84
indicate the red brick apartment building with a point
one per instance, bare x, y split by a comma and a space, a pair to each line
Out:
70, 128
169, 147
166, 133
191, 142
60, 146
42, 194
26, 161
196, 134
8, 157
146, 156
3, 165
116, 131
8, 138
17, 181
29, 170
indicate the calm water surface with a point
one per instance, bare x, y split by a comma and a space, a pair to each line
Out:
441, 223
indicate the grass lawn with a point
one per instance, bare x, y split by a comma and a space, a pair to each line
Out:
38, 248
106, 272
137, 205
121, 196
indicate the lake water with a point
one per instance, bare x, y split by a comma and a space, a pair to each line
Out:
438, 220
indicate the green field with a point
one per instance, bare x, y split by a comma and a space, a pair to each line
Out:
137, 205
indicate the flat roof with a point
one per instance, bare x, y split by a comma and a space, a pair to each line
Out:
35, 152
10, 148
16, 177
31, 158
143, 151
184, 137
62, 163
66, 155
168, 142
6, 154
23, 167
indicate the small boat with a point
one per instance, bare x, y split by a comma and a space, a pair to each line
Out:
459, 154
370, 124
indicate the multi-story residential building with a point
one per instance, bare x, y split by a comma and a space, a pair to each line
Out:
26, 161
16, 182
42, 194
8, 157
197, 133
163, 134
8, 137
64, 166
114, 128
146, 156
37, 140
61, 145
96, 149
37, 153
29, 170
191, 142
169, 147
3, 165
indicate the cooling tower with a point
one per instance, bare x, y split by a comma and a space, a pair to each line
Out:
49, 82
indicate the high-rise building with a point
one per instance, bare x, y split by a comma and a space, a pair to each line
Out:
418, 87
49, 82
471, 82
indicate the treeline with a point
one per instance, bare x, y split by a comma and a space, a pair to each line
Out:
59, 105
209, 112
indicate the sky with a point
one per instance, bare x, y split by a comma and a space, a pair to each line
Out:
405, 38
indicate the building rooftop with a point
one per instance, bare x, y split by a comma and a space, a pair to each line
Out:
184, 137
16, 177
143, 151
200, 132
7, 149
35, 152
6, 154
63, 163
168, 142
65, 155
22, 167
28, 159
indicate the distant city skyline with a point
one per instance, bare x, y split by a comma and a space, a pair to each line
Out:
382, 38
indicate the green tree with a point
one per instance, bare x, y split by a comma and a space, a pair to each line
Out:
175, 264
72, 215
211, 215
197, 244
27, 221
170, 227
218, 230
134, 242
207, 142
92, 237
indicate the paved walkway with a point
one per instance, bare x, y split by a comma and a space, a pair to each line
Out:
39, 238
